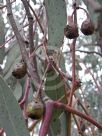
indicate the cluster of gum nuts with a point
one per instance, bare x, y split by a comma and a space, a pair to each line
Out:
71, 30
35, 109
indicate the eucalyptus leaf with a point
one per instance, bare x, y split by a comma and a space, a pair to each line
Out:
56, 13
18, 91
55, 127
11, 118
54, 86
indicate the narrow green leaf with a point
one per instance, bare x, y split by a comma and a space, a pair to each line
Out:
11, 118
56, 12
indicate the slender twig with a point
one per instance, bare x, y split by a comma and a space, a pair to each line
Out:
78, 126
15, 29
73, 72
79, 8
22, 45
73, 48
86, 112
73, 87
36, 18
39, 92
80, 114
14, 36
27, 89
92, 75
90, 52
30, 19
4, 6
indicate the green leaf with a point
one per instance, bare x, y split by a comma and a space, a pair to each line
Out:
11, 118
54, 86
2, 38
56, 13
12, 54
61, 60
64, 128
55, 127
18, 91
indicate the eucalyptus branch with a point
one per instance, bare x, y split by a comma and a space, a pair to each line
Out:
80, 114
22, 45
73, 48
49, 106
30, 19
27, 89
15, 29
14, 36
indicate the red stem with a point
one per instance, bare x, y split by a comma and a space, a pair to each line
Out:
80, 114
73, 73
77, 8
36, 18
1, 131
49, 106
39, 91
27, 89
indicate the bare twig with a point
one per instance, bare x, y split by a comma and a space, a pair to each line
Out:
78, 126
90, 52
27, 89
36, 18
80, 114
4, 6
73, 47
92, 75
30, 19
